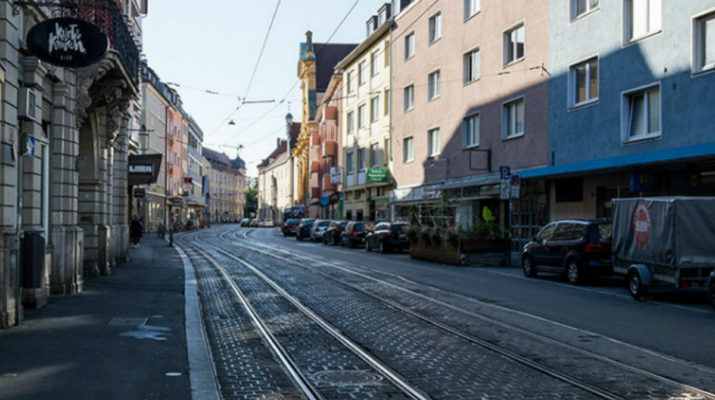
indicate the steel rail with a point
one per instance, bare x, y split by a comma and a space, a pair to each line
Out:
701, 392
298, 377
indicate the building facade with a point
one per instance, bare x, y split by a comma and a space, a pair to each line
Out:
326, 155
626, 117
66, 136
366, 124
227, 188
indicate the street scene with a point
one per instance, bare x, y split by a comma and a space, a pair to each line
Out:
357, 199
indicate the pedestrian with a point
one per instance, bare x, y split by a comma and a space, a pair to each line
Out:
136, 230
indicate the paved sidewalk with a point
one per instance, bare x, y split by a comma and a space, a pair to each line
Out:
123, 337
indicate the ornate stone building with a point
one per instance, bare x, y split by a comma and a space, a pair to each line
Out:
65, 139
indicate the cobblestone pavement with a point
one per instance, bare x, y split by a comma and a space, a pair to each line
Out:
442, 365
587, 368
245, 364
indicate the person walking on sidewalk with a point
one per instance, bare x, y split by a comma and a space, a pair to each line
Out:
136, 230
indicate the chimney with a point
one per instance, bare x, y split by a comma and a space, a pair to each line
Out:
278, 142
309, 40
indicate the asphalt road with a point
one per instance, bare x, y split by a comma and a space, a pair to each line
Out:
670, 324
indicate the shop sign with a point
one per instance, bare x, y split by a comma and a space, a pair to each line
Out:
324, 201
67, 42
140, 169
139, 192
336, 176
377, 175
643, 181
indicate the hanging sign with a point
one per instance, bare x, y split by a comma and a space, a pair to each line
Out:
67, 42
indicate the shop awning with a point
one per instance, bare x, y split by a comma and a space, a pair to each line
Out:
143, 168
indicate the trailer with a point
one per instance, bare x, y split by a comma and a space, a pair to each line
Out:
664, 241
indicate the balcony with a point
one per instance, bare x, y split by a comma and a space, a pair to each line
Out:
110, 19
315, 140
326, 183
315, 166
330, 149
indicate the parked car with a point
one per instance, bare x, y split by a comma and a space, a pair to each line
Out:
302, 231
573, 248
387, 236
254, 222
318, 229
245, 221
354, 234
289, 226
266, 223
711, 289
331, 236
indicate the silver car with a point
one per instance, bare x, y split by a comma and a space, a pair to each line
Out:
318, 229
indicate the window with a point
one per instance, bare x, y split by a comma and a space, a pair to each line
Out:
351, 122
471, 66
433, 142
374, 149
409, 45
375, 63
643, 17
470, 131
704, 42
351, 82
375, 108
570, 189
435, 27
513, 119
471, 7
409, 97
361, 159
362, 73
642, 114
387, 154
584, 82
581, 7
433, 88
408, 149
349, 167
514, 45
387, 102
361, 116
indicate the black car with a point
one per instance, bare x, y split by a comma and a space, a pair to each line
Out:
573, 248
333, 231
354, 234
711, 288
387, 236
303, 229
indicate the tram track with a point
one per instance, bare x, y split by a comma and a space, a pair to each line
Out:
684, 390
303, 380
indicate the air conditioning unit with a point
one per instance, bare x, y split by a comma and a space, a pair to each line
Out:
29, 104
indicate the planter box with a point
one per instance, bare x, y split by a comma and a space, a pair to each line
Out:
444, 252
448, 254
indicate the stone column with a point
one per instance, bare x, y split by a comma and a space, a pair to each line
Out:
120, 228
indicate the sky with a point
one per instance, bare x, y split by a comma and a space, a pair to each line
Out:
209, 49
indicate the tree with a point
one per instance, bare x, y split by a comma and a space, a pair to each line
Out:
251, 198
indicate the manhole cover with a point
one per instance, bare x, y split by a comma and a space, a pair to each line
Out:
347, 378
125, 321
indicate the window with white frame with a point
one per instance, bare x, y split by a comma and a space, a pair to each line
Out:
643, 17
374, 151
351, 82
583, 79
581, 7
375, 63
351, 122
409, 45
362, 73
513, 119
409, 97
435, 27
641, 114
408, 149
471, 7
362, 118
471, 66
349, 166
470, 131
375, 109
433, 85
514, 44
433, 142
704, 43
361, 159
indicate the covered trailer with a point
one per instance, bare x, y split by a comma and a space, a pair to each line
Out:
664, 240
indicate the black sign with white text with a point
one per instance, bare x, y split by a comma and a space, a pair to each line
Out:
67, 42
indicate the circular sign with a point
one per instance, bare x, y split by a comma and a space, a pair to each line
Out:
641, 225
67, 42
515, 180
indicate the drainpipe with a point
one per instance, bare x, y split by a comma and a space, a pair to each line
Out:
18, 267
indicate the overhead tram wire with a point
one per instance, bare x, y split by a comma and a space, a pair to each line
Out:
282, 100
241, 101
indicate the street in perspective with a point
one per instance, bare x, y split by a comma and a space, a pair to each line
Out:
357, 199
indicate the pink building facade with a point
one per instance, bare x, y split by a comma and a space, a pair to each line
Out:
469, 95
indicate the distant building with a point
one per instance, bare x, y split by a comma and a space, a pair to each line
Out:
227, 188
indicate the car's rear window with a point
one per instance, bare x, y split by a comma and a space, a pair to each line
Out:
397, 228
342, 225
292, 222
323, 223
359, 227
308, 223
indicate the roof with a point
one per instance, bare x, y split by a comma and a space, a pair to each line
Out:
220, 161
364, 46
327, 56
238, 163
281, 146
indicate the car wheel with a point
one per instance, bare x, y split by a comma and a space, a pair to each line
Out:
527, 266
573, 271
381, 249
635, 285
